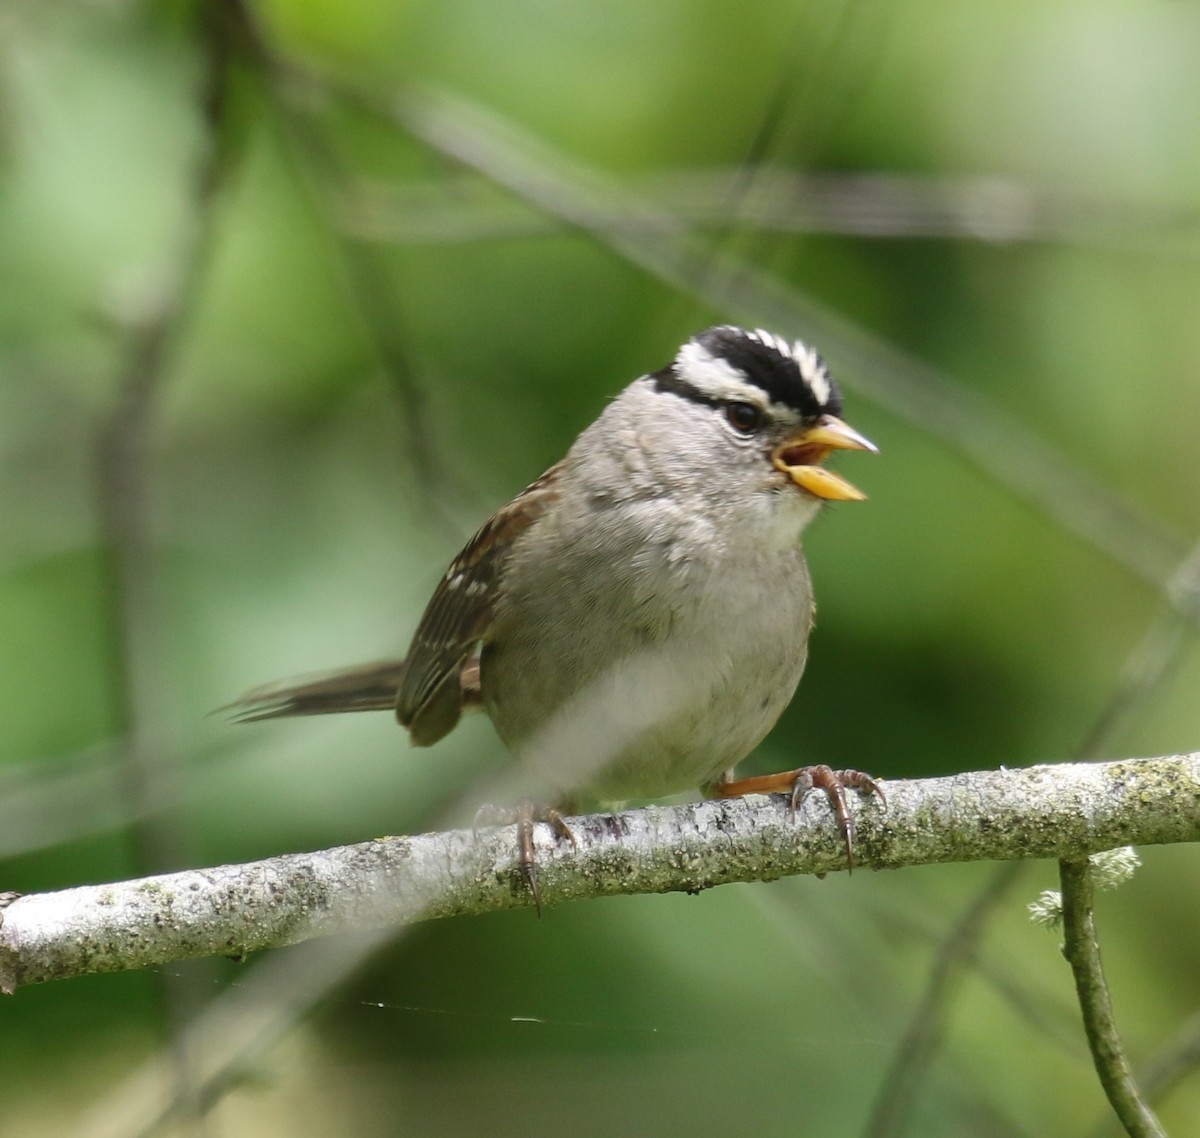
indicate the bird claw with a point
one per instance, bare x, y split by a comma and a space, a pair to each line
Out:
526, 816
798, 783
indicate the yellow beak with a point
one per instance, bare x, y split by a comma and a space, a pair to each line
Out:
800, 458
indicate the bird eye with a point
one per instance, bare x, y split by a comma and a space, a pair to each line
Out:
744, 418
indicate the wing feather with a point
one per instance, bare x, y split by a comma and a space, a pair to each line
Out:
460, 614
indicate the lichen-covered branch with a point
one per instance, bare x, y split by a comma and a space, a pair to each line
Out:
1064, 811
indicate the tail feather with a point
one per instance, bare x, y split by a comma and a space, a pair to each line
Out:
369, 687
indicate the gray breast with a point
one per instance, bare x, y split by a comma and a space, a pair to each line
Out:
654, 668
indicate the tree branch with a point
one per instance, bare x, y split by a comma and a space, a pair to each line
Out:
1065, 811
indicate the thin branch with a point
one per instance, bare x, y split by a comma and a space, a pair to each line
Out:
875, 206
1082, 950
1069, 810
1177, 1059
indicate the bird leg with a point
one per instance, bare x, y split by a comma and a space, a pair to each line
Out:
797, 784
527, 814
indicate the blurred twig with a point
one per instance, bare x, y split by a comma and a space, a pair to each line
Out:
300, 103
1071, 809
1152, 659
123, 462
896, 1093
992, 210
43, 805
123, 490
46, 804
380, 306
1081, 947
807, 102
235, 1031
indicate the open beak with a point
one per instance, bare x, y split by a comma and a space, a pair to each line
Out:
800, 458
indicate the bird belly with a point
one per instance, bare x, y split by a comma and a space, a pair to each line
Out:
693, 747
669, 712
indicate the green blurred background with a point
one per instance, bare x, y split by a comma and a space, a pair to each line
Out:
337, 349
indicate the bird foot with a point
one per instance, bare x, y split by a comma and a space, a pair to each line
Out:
527, 814
797, 784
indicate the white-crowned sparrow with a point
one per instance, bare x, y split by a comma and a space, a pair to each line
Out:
635, 621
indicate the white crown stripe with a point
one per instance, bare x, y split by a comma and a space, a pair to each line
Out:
716, 377
812, 368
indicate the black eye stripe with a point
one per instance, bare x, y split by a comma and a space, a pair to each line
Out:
737, 412
670, 381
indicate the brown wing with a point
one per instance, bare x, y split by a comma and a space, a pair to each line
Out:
459, 615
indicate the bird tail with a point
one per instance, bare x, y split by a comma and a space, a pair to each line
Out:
369, 687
